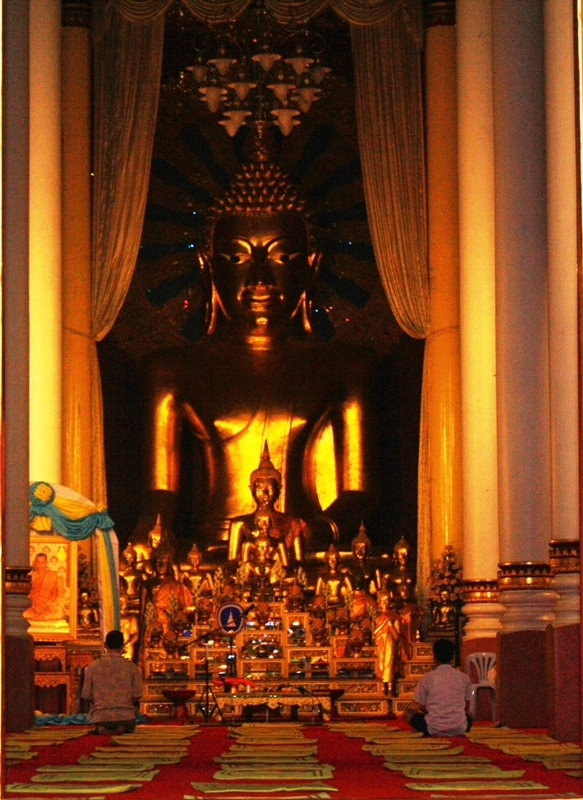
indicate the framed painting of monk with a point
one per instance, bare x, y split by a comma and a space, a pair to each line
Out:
53, 594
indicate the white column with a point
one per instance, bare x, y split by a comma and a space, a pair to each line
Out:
562, 266
522, 347
45, 241
478, 308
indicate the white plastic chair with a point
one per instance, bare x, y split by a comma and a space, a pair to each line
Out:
483, 664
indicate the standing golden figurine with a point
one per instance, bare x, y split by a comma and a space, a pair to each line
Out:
386, 634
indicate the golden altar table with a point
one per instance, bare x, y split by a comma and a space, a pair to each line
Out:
234, 703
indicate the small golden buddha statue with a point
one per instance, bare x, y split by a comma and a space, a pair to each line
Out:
159, 535
128, 625
87, 616
400, 573
410, 615
361, 576
168, 596
444, 613
332, 581
277, 549
196, 579
266, 488
131, 578
263, 568
260, 374
386, 635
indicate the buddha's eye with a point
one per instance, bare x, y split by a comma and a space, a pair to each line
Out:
235, 258
282, 258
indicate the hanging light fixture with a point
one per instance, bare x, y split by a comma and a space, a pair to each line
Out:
256, 69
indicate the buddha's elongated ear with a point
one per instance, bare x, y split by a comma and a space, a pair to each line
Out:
314, 260
209, 293
320, 326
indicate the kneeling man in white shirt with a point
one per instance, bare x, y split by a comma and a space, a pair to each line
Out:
442, 696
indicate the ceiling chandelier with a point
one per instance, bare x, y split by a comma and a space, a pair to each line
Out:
256, 70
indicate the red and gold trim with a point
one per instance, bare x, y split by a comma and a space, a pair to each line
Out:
564, 556
524, 575
480, 591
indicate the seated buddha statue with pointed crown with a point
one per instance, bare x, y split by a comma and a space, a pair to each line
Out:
288, 530
258, 375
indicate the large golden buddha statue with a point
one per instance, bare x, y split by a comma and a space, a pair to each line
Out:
260, 374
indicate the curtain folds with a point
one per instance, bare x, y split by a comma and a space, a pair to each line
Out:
127, 68
389, 113
357, 12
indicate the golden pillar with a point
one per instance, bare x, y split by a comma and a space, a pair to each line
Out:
443, 374
76, 121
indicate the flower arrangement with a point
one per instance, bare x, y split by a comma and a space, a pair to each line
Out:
446, 575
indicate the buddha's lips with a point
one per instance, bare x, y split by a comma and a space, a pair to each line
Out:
263, 296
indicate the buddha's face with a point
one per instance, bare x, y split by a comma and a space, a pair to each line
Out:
360, 550
265, 491
383, 602
263, 523
260, 267
162, 565
261, 549
403, 591
155, 536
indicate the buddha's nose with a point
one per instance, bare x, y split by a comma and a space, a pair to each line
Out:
260, 272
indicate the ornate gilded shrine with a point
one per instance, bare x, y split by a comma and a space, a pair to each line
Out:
295, 643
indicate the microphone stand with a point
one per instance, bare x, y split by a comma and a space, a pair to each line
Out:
208, 704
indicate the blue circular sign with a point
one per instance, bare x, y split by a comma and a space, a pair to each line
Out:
230, 618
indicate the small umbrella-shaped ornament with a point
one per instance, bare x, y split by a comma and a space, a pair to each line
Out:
285, 119
213, 96
234, 120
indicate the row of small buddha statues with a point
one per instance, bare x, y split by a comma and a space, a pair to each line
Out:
367, 599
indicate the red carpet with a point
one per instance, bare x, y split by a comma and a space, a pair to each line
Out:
358, 774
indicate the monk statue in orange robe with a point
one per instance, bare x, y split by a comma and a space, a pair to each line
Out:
47, 592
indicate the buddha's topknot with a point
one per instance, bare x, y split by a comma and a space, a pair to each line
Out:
259, 187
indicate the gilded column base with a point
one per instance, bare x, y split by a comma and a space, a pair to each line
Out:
517, 575
482, 609
527, 595
566, 567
